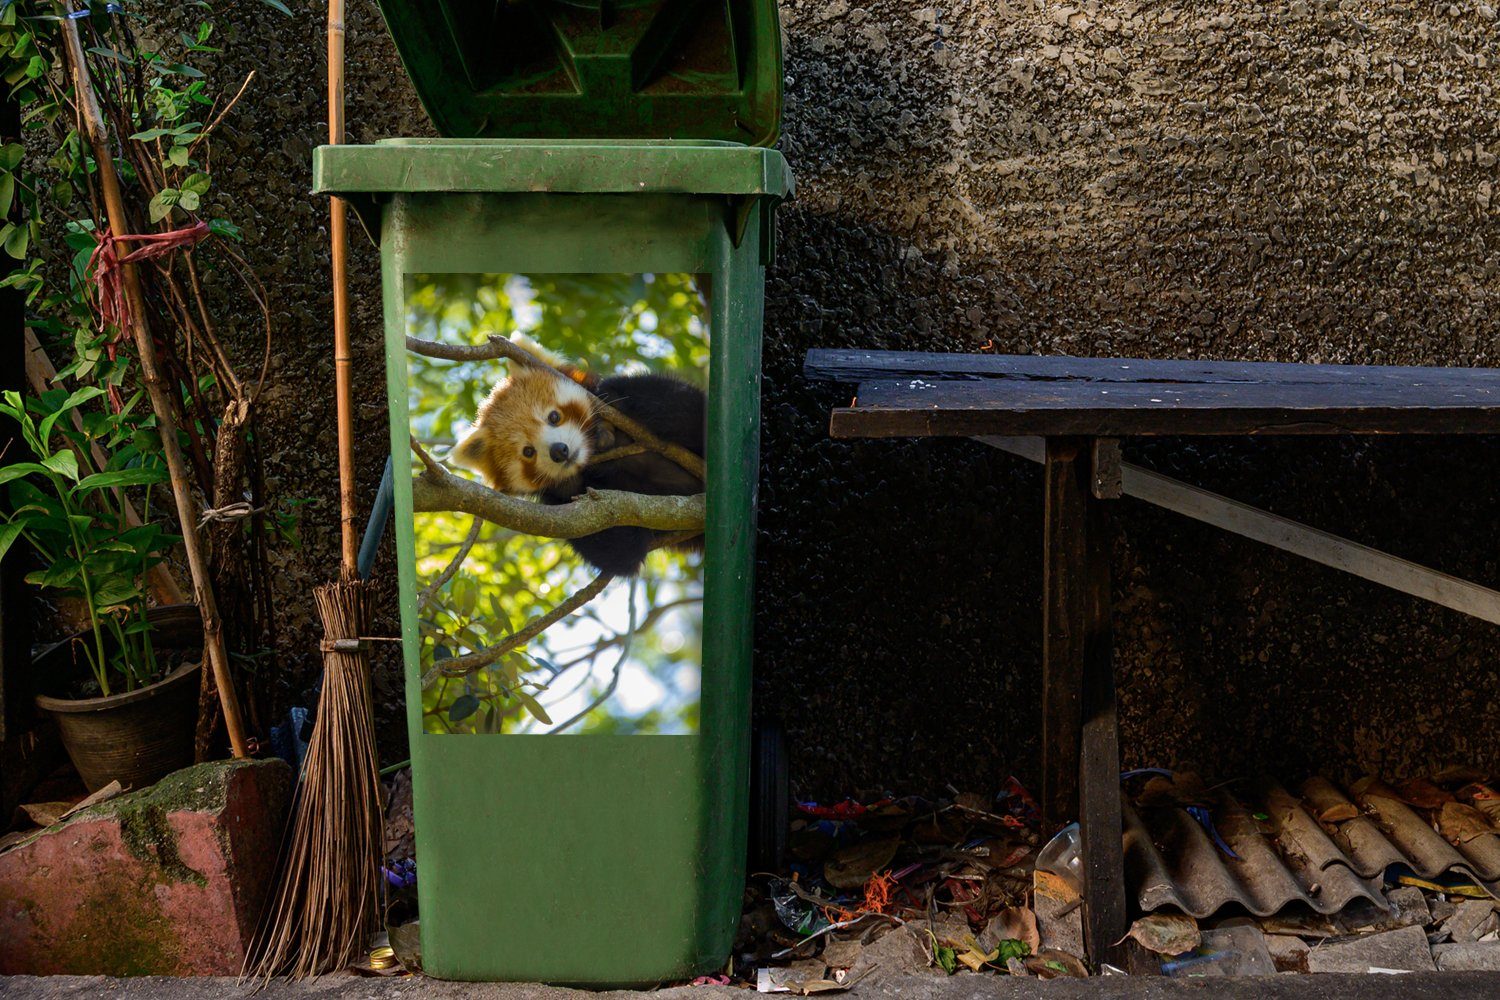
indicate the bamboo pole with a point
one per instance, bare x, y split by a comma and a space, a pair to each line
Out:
161, 403
343, 360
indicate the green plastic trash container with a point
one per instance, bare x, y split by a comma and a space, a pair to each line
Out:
580, 800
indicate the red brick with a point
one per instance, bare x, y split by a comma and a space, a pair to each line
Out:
166, 881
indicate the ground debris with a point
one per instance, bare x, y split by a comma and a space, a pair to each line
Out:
888, 886
1166, 933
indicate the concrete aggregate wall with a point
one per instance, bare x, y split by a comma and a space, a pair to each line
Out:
1303, 181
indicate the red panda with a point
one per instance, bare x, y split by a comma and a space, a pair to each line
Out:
536, 434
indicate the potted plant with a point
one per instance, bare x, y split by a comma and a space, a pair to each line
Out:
124, 689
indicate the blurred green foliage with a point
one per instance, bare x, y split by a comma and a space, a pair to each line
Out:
619, 679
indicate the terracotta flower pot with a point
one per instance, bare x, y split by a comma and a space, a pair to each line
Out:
136, 737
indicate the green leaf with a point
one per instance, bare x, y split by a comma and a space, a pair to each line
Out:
277, 5
121, 477
21, 469
1010, 948
198, 183
188, 201
534, 707
177, 156
59, 574
108, 53
7, 192
153, 133
17, 240
117, 591
463, 706
11, 155
64, 463
9, 532
77, 397
161, 205
947, 958
223, 227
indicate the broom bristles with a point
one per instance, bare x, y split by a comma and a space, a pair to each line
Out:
327, 896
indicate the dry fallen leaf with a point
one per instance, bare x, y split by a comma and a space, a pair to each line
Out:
1484, 798
1338, 812
1460, 824
45, 813
1166, 933
851, 867
1018, 923
1053, 964
104, 794
1423, 794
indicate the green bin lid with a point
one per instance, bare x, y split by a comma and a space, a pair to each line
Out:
594, 69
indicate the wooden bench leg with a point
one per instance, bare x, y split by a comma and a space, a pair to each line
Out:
1104, 912
1080, 735
1064, 587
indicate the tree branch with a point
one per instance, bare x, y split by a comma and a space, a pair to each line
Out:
437, 490
498, 349
458, 666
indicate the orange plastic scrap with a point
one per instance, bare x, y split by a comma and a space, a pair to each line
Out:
878, 891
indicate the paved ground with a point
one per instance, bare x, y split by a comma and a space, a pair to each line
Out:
1418, 986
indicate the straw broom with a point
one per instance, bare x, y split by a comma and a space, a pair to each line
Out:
327, 901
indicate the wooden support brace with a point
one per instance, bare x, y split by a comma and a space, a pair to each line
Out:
1289, 536
1064, 589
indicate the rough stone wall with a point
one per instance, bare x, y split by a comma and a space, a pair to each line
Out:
1300, 181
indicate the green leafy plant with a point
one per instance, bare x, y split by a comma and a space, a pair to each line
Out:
76, 521
157, 79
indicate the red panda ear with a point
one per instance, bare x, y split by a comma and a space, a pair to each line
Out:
468, 453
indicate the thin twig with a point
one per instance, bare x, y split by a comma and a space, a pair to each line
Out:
614, 454
453, 564
458, 666
652, 617
203, 134
614, 680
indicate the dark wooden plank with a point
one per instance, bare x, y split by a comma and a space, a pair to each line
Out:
926, 408
1100, 827
867, 366
1064, 588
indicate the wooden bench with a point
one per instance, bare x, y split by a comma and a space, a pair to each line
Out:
1069, 414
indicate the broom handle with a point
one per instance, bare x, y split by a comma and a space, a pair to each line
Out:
114, 205
343, 361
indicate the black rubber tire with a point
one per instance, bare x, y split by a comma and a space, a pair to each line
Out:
770, 798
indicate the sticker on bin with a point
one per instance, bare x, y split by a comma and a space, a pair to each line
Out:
558, 428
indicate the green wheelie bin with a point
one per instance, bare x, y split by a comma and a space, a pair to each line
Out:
573, 282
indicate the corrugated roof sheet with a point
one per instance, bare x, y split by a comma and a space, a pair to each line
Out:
1324, 848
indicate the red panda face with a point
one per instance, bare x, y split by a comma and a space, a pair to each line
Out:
531, 433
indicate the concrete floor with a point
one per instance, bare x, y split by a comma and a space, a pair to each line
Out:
1417, 986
